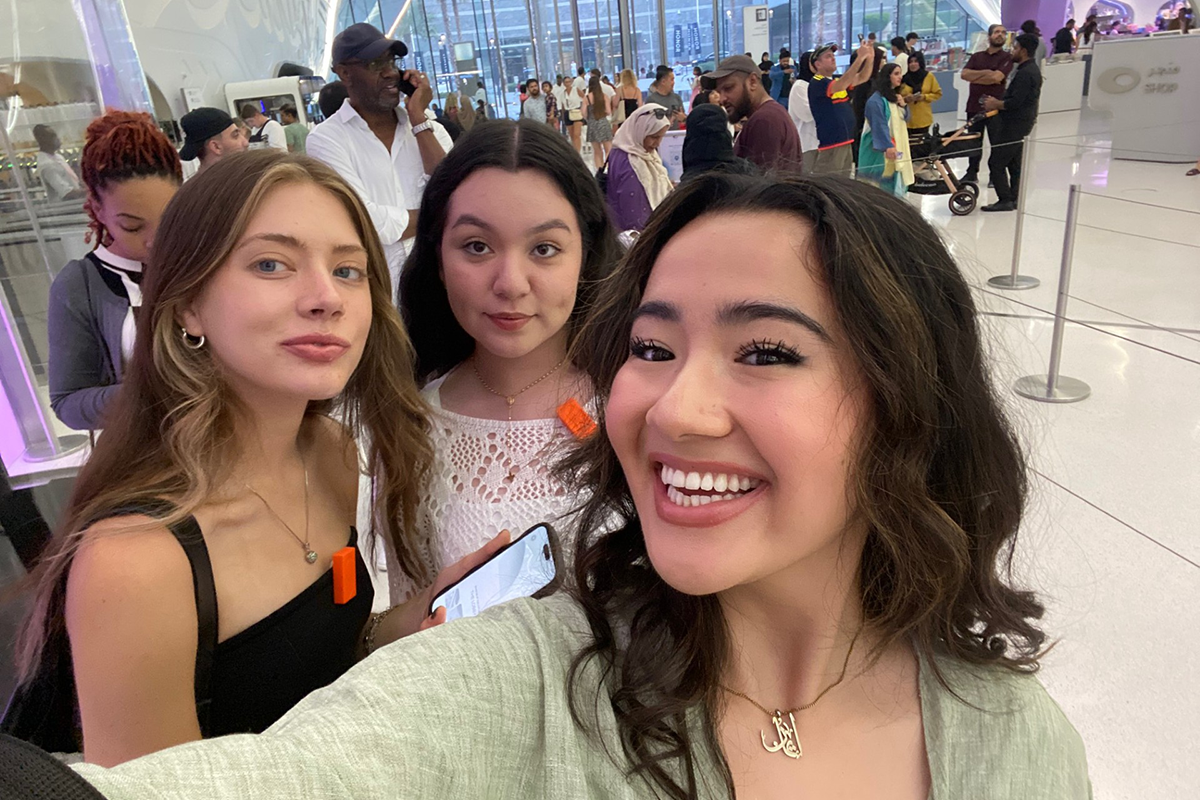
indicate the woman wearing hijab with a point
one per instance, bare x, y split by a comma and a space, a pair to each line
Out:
920, 91
883, 156
708, 145
637, 179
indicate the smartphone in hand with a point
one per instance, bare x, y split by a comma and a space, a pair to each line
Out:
526, 567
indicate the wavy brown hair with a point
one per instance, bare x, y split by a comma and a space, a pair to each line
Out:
939, 477
170, 433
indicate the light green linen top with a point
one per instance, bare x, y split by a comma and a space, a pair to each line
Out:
478, 709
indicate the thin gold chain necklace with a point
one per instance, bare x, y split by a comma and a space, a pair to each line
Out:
310, 555
509, 399
787, 739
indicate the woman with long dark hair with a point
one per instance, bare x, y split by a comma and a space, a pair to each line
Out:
513, 241
808, 590
599, 127
884, 157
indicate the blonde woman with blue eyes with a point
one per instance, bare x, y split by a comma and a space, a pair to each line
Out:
202, 583
512, 238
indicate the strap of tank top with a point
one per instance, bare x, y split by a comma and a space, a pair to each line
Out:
191, 540
187, 533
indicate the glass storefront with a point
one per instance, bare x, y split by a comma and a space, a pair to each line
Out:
504, 42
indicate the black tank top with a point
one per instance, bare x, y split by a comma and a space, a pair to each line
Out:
244, 684
630, 107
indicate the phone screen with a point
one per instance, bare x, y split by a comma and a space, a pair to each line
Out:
521, 569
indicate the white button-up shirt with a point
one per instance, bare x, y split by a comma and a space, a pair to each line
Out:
389, 183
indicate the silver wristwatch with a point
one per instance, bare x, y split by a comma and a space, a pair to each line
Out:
424, 126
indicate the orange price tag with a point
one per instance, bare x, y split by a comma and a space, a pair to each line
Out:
577, 419
345, 576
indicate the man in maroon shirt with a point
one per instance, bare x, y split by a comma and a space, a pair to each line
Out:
769, 138
987, 72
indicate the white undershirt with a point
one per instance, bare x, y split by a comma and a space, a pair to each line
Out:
120, 266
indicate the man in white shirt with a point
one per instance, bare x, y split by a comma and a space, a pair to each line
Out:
384, 151
480, 92
560, 95
264, 131
56, 175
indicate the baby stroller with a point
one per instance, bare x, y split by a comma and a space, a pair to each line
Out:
931, 152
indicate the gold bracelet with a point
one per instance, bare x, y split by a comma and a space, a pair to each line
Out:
373, 628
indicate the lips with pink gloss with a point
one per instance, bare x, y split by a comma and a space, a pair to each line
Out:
321, 348
507, 321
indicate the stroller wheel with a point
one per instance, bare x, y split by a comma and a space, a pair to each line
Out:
962, 203
968, 186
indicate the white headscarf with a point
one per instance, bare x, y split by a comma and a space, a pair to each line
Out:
647, 164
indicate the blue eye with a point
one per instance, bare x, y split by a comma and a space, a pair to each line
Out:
350, 273
649, 350
269, 266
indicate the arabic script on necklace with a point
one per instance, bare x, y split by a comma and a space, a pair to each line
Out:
785, 733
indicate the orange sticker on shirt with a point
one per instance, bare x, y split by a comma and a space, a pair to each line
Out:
577, 419
345, 576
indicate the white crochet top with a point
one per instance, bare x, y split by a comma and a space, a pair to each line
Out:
490, 475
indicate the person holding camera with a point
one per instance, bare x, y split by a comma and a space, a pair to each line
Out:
384, 150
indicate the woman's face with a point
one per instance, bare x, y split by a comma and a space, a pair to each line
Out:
130, 210
651, 142
511, 257
287, 315
547, 87
914, 65
894, 77
735, 417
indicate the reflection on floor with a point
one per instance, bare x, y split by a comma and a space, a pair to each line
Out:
1110, 539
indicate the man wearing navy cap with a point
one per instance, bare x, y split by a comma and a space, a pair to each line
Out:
384, 150
210, 134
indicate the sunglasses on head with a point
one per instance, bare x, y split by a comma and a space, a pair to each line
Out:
661, 113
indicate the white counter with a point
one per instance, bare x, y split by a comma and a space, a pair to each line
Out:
1062, 87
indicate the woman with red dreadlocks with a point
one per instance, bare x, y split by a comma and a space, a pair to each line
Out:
131, 172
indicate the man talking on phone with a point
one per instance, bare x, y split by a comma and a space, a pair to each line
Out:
383, 149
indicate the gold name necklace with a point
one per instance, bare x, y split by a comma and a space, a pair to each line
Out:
787, 740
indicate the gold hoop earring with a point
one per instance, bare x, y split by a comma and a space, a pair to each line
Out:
191, 342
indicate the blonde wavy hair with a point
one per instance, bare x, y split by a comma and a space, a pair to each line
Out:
169, 435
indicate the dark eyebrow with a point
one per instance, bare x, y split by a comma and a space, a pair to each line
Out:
657, 309
741, 313
292, 241
471, 219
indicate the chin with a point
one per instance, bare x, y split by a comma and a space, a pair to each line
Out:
686, 567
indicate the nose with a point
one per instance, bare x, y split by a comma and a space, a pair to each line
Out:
512, 276
319, 296
693, 404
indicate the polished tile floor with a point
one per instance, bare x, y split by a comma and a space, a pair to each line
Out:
1112, 536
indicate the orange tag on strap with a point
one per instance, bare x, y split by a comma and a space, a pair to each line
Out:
577, 420
345, 576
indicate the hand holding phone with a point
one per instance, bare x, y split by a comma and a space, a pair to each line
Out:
527, 567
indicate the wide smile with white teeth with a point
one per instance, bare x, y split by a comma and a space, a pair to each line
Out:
688, 489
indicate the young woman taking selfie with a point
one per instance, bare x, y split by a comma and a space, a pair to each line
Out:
808, 594
191, 593
513, 239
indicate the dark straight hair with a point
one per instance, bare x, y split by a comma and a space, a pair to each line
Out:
938, 476
440, 342
883, 81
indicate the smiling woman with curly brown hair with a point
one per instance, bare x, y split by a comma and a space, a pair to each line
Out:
806, 593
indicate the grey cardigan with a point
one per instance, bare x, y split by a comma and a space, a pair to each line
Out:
85, 318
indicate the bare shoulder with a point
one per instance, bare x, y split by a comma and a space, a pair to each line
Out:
131, 563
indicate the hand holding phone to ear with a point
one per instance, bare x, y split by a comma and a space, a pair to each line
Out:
420, 94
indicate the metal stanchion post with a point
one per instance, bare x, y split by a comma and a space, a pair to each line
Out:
1052, 387
1015, 280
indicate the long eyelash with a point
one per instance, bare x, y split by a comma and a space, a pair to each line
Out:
768, 346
